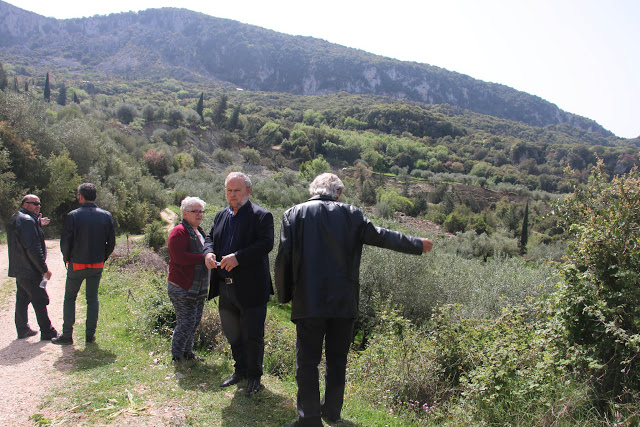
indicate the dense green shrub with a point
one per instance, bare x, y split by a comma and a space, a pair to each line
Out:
398, 366
223, 156
455, 223
600, 298
155, 235
506, 371
126, 112
250, 156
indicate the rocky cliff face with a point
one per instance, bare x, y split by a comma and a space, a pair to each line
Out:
189, 45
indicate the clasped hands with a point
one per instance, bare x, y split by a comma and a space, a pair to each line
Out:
228, 262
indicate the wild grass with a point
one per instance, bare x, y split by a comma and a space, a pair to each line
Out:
443, 340
127, 376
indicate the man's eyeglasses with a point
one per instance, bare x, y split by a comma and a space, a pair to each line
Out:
196, 212
34, 203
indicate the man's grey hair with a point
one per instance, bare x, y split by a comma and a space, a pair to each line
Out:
234, 175
326, 184
189, 202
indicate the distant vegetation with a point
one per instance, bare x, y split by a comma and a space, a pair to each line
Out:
477, 331
190, 46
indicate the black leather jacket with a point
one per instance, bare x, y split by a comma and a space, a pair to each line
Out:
318, 261
88, 235
27, 250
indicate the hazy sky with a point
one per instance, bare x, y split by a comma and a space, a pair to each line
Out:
582, 55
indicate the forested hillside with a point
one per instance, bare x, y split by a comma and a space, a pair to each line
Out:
148, 143
185, 45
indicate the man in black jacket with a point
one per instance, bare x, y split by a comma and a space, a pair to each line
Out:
317, 268
27, 263
88, 238
240, 241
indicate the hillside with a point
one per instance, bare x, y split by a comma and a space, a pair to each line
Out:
186, 45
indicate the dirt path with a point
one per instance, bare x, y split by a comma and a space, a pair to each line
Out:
30, 369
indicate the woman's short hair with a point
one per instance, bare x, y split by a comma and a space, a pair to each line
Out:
326, 184
189, 201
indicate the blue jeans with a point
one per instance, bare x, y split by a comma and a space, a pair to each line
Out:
75, 278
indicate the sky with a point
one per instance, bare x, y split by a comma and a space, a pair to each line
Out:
582, 55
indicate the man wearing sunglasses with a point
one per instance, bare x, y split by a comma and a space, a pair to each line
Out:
27, 263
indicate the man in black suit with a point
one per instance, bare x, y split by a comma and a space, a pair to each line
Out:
237, 247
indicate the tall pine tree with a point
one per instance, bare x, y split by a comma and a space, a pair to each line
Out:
47, 89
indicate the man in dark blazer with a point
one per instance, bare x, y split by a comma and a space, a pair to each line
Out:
317, 270
237, 247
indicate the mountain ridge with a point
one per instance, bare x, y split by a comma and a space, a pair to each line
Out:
197, 47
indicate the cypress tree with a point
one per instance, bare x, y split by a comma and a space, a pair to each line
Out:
524, 235
47, 89
200, 106
75, 98
221, 110
62, 95
232, 123
3, 78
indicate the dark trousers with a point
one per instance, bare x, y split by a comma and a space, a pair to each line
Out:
188, 317
75, 278
244, 329
28, 291
337, 334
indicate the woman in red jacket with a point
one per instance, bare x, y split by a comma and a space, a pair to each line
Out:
188, 279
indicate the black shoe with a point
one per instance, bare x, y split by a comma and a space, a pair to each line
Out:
233, 379
193, 356
49, 335
90, 339
331, 419
328, 416
253, 386
62, 340
29, 333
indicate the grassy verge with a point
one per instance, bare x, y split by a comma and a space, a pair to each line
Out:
126, 377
